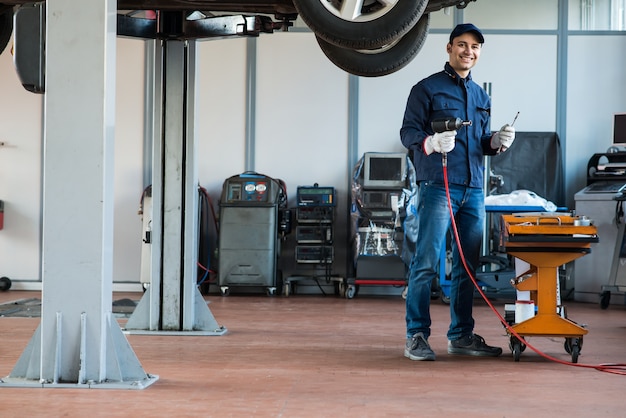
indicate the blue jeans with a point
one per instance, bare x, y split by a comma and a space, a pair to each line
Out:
468, 206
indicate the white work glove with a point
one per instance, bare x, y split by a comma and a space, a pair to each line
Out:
503, 139
440, 142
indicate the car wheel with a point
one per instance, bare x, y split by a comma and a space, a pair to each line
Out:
360, 24
6, 28
379, 61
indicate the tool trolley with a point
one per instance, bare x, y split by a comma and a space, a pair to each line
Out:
546, 242
383, 186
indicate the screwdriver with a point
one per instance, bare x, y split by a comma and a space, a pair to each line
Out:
502, 148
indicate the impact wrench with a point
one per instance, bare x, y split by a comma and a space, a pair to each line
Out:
449, 124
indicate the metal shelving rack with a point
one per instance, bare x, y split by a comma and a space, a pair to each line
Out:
314, 251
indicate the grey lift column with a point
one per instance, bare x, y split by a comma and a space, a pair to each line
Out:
78, 342
173, 304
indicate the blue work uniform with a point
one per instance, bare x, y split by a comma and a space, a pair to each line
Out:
446, 95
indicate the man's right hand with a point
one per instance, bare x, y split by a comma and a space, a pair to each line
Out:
440, 142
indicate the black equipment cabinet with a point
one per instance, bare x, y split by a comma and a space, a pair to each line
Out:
314, 250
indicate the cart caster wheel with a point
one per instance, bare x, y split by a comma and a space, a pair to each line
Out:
575, 353
5, 284
517, 347
605, 298
517, 350
405, 292
445, 299
572, 345
271, 291
351, 291
224, 291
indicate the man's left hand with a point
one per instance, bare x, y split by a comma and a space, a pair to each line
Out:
503, 139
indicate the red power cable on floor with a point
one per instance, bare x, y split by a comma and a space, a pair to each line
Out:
615, 368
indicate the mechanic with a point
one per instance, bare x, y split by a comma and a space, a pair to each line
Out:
449, 94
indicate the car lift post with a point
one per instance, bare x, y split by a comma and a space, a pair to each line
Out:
172, 302
167, 307
78, 343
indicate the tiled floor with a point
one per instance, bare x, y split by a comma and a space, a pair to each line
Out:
316, 356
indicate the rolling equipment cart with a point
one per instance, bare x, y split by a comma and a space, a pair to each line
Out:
314, 251
546, 242
382, 185
251, 222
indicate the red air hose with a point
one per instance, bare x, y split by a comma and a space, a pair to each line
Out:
615, 368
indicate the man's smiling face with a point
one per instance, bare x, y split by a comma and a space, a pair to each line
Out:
464, 52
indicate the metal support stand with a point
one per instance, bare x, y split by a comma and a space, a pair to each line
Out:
78, 344
173, 304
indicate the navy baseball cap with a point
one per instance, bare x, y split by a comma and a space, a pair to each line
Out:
464, 28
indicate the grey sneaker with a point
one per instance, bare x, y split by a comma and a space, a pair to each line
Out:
417, 348
473, 345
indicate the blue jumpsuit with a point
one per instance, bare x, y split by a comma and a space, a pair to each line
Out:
446, 95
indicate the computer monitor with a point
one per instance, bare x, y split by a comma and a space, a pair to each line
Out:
384, 170
619, 129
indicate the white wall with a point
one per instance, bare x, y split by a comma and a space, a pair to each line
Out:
513, 14
528, 88
302, 107
221, 112
129, 138
20, 175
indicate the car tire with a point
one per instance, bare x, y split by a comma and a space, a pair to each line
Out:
379, 61
377, 24
6, 28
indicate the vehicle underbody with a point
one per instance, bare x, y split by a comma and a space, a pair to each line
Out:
375, 38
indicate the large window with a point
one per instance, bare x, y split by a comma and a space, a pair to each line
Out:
597, 15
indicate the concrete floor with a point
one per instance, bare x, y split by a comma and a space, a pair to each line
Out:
324, 356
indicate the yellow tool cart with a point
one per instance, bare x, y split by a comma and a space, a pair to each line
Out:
546, 242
